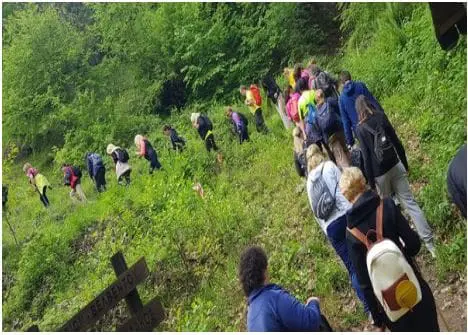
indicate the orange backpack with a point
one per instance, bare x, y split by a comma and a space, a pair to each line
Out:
256, 94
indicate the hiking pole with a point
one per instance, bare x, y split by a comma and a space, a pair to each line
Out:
437, 307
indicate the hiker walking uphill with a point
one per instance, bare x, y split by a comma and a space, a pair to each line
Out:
205, 129
270, 307
299, 152
328, 120
38, 182
386, 165
381, 245
122, 167
347, 101
178, 143
275, 95
329, 207
253, 99
239, 124
323, 81
306, 104
145, 149
72, 177
96, 170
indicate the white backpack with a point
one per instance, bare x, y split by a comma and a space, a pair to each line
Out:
393, 279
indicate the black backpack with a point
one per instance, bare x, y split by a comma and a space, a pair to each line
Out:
323, 81
122, 155
357, 160
323, 201
327, 119
77, 171
209, 125
383, 147
243, 119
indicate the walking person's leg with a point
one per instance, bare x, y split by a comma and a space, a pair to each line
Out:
80, 193
44, 196
339, 150
336, 233
401, 187
260, 122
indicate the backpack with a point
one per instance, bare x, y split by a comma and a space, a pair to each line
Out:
208, 122
393, 279
323, 202
96, 160
292, 108
76, 171
357, 160
327, 120
311, 113
322, 81
383, 147
244, 120
256, 94
122, 155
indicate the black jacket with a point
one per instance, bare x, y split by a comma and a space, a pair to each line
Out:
363, 216
456, 180
203, 126
176, 140
366, 141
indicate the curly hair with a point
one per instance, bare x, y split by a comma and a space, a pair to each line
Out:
252, 267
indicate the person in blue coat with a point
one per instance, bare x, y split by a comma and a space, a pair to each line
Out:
96, 170
270, 307
351, 90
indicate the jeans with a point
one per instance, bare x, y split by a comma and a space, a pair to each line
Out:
336, 233
396, 181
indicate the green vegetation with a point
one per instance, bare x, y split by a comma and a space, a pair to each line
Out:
77, 77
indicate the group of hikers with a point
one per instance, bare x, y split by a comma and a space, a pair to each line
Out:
355, 190
356, 176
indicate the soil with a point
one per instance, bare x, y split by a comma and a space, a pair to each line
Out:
450, 296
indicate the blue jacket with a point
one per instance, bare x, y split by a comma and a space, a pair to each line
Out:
94, 163
349, 116
271, 308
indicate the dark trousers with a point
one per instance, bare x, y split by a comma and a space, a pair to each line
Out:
243, 134
43, 197
210, 143
336, 233
423, 318
154, 163
125, 176
100, 179
260, 122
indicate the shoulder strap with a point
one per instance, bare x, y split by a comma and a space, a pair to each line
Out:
360, 236
379, 221
369, 129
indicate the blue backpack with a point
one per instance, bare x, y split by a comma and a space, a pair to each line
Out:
327, 119
311, 114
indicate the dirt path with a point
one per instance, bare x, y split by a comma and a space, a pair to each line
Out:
450, 296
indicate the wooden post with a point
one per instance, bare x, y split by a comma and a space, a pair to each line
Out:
133, 300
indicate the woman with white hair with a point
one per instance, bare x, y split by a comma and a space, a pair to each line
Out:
38, 181
205, 129
367, 210
145, 149
329, 207
120, 158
